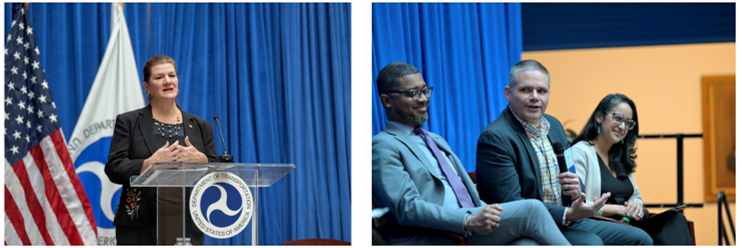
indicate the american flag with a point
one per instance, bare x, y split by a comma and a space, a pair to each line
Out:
45, 203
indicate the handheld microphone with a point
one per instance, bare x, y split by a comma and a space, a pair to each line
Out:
625, 220
559, 151
224, 158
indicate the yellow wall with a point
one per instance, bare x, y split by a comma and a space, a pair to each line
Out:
665, 84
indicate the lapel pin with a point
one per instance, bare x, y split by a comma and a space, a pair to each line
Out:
190, 125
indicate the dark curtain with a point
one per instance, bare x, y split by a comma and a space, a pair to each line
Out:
556, 26
277, 75
464, 51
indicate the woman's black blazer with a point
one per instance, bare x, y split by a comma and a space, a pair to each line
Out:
132, 143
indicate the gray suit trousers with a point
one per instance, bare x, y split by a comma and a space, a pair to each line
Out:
523, 219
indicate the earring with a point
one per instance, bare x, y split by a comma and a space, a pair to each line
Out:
149, 96
621, 141
598, 130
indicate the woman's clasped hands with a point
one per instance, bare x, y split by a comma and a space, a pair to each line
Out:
176, 153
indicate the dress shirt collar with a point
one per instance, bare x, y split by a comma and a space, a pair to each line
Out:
532, 130
406, 129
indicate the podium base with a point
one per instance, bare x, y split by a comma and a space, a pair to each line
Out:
183, 242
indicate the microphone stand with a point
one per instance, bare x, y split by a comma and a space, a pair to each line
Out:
224, 158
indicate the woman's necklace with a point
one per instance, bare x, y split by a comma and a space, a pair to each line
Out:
166, 130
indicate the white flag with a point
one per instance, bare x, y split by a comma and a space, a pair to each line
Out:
115, 90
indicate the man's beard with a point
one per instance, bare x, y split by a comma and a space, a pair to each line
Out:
410, 119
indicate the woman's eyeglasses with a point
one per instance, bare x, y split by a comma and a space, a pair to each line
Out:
618, 119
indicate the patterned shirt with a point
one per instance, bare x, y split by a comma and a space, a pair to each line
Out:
546, 159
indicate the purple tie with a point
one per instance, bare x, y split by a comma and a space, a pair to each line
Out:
458, 187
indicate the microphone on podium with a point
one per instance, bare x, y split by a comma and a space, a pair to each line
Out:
224, 158
559, 151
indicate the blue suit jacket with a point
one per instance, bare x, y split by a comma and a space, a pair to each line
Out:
403, 180
507, 166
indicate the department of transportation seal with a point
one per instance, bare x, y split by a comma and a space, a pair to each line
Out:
221, 205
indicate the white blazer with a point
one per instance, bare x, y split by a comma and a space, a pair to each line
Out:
588, 169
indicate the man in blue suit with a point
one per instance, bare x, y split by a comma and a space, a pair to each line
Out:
425, 187
515, 161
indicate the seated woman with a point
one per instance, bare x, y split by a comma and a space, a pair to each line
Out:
604, 155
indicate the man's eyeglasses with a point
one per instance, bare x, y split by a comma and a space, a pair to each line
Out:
618, 119
416, 93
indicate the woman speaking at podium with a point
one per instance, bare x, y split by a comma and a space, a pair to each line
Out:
159, 132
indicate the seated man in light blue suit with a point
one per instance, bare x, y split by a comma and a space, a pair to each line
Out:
411, 172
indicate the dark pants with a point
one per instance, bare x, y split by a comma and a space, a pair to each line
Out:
147, 235
591, 232
169, 216
136, 235
669, 229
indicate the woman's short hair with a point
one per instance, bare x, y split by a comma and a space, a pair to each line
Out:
156, 60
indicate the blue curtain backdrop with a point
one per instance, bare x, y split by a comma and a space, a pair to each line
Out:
464, 51
277, 75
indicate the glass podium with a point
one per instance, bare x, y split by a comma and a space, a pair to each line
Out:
217, 196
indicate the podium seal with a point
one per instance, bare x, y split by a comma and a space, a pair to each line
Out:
221, 205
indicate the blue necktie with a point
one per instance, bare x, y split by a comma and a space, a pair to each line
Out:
458, 187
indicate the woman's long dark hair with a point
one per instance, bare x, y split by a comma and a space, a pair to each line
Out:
622, 157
